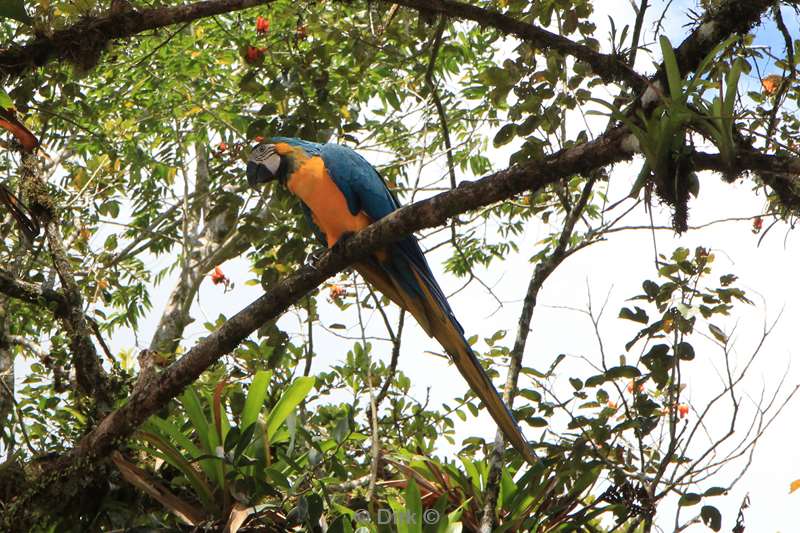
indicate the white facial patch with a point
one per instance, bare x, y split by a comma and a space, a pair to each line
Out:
265, 154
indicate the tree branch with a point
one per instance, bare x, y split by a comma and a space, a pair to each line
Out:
70, 43
29, 292
540, 275
780, 173
610, 68
91, 378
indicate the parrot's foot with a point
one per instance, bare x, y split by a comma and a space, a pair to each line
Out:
314, 257
338, 246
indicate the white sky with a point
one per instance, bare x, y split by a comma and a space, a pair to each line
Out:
613, 270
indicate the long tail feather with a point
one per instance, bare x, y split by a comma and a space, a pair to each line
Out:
449, 334
406, 280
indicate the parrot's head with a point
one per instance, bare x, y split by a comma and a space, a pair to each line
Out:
266, 163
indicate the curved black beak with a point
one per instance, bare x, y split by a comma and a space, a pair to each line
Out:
258, 174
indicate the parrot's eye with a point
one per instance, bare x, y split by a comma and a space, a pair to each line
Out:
265, 154
263, 165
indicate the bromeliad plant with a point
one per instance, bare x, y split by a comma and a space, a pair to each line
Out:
231, 468
662, 134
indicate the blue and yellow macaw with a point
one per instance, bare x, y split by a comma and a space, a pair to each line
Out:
341, 193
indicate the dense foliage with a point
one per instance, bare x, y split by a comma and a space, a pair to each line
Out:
143, 138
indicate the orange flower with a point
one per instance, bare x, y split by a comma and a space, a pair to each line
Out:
262, 25
758, 223
611, 405
336, 291
218, 277
771, 84
683, 410
102, 283
222, 147
639, 386
254, 55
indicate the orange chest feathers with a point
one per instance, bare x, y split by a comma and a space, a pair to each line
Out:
314, 186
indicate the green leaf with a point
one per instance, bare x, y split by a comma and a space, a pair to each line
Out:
715, 491
341, 525
341, 430
680, 254
674, 78
595, 380
244, 440
5, 100
703, 67
111, 242
718, 333
290, 399
190, 401
168, 429
393, 99
175, 458
639, 315
191, 404
537, 422
437, 522
689, 499
659, 362
556, 362
14, 9
624, 371
505, 135
496, 76
694, 184
255, 397
711, 517
413, 516
249, 85
256, 128
586, 479
684, 351
650, 288
231, 439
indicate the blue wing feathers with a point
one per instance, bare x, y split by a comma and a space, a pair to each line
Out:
365, 190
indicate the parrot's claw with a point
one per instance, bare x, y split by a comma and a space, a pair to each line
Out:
313, 258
